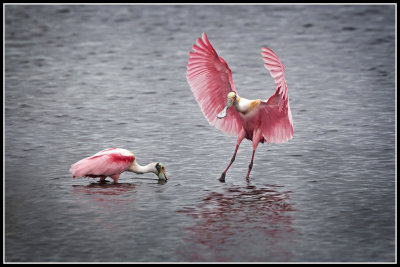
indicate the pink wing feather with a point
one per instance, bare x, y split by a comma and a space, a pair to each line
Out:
104, 163
277, 123
210, 80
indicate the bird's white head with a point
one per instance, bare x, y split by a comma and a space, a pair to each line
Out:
160, 172
231, 98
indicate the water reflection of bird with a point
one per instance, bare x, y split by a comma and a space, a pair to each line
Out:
210, 79
106, 195
237, 216
112, 162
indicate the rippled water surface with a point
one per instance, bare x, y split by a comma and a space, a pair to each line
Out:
79, 79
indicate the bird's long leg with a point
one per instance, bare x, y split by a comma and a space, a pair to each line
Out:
250, 165
222, 178
239, 140
256, 140
115, 177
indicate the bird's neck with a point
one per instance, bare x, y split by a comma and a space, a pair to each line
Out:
136, 168
246, 106
240, 103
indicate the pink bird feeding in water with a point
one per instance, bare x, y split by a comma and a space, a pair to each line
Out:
112, 162
210, 80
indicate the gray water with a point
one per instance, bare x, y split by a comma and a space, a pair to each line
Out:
79, 79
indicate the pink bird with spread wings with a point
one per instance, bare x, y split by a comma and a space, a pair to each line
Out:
210, 80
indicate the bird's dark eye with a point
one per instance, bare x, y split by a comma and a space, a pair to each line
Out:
158, 167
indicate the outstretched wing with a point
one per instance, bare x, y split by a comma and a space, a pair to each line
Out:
106, 162
277, 123
210, 80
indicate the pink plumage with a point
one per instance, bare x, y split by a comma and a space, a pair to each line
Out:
109, 162
210, 80
277, 123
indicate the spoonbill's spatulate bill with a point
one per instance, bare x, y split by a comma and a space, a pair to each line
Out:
210, 80
112, 162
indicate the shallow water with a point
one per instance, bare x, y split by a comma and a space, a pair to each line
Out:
79, 79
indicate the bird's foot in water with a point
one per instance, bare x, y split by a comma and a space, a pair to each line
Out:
222, 178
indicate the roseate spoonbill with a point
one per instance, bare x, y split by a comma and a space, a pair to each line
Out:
112, 162
210, 80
